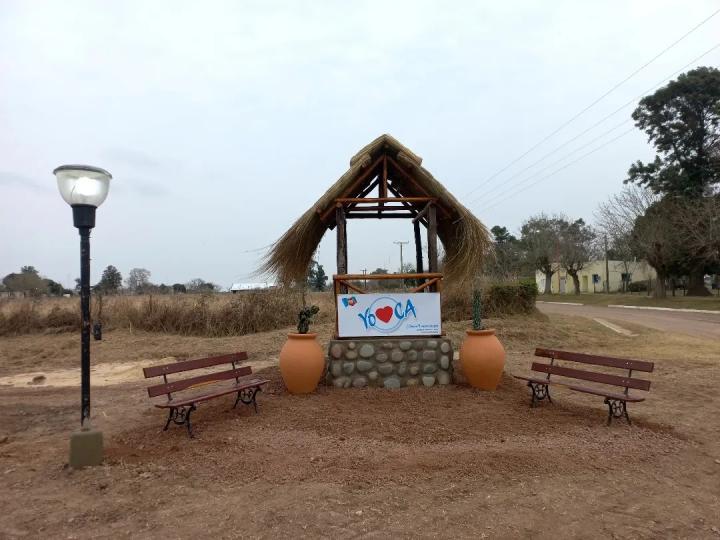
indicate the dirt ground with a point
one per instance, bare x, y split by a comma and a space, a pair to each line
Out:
440, 462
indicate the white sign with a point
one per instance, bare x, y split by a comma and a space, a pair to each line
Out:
372, 315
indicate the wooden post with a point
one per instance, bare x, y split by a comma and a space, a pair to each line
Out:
342, 267
432, 240
418, 251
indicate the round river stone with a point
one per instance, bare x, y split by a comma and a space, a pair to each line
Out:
367, 350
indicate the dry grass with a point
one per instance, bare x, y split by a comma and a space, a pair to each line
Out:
213, 315
198, 315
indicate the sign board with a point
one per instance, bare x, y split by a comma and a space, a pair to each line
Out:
388, 314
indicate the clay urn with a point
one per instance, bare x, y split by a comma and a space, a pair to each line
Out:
302, 363
482, 358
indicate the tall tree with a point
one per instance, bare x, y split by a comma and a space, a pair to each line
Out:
540, 240
576, 243
316, 277
28, 281
507, 262
110, 281
615, 219
682, 120
138, 279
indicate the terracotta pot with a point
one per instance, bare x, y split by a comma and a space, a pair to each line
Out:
482, 358
302, 363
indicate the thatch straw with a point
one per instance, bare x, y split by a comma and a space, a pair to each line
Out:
465, 239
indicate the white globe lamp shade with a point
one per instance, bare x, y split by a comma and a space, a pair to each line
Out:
83, 184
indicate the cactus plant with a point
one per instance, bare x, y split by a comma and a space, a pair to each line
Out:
305, 318
477, 310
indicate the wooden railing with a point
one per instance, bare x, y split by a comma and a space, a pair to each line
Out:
428, 281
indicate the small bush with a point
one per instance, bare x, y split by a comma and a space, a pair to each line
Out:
498, 300
637, 286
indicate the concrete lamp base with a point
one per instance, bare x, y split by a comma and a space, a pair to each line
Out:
86, 448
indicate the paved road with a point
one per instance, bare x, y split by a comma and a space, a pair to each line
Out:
705, 325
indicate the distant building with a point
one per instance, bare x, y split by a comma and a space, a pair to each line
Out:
592, 277
240, 287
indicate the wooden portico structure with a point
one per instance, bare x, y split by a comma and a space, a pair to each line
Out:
386, 180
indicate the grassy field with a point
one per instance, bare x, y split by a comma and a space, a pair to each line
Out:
636, 299
439, 462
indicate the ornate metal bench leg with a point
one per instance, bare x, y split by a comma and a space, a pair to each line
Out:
617, 408
247, 396
171, 417
539, 392
187, 420
237, 400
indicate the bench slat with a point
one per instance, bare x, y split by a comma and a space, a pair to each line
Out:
595, 391
204, 397
184, 384
188, 365
603, 378
608, 361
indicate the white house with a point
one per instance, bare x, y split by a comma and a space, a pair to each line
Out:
592, 276
239, 287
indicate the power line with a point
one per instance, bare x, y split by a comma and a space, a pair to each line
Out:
603, 119
595, 102
621, 124
501, 199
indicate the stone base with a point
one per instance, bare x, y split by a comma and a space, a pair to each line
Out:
86, 448
390, 363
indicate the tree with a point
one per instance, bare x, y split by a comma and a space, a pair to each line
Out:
682, 120
200, 285
576, 242
110, 281
179, 288
138, 279
656, 239
615, 219
54, 288
507, 261
28, 281
540, 240
316, 277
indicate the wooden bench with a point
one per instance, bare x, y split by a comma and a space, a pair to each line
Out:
615, 400
180, 409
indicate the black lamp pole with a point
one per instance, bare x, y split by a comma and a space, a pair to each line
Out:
84, 220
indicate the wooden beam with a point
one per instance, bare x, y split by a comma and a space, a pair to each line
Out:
410, 179
347, 200
375, 208
350, 286
341, 242
422, 213
427, 284
395, 192
383, 215
418, 247
432, 239
360, 277
364, 176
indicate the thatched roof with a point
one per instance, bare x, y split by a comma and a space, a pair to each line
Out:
465, 239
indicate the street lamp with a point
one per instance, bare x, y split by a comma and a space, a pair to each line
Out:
84, 188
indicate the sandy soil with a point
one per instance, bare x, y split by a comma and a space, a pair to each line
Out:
435, 462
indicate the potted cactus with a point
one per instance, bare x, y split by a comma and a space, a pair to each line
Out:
302, 360
482, 356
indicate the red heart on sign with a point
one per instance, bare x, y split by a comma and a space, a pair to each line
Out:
384, 314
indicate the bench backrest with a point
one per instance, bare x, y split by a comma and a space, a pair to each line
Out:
200, 380
627, 381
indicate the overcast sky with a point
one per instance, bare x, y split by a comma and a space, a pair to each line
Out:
222, 122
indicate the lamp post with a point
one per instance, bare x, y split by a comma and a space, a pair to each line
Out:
84, 188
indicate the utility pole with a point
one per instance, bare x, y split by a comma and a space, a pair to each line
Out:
401, 244
607, 267
364, 271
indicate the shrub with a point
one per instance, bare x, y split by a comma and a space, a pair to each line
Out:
637, 286
498, 300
